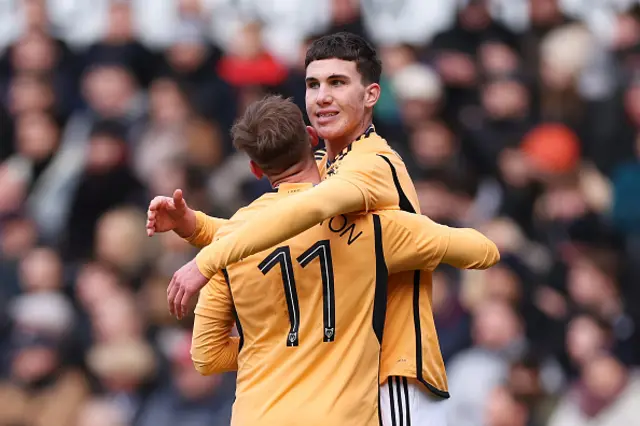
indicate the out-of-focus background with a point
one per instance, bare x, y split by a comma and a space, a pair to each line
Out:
518, 117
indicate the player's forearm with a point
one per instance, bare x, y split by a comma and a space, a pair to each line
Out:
281, 221
469, 249
205, 229
215, 357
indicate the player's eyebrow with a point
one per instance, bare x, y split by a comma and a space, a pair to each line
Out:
338, 77
331, 77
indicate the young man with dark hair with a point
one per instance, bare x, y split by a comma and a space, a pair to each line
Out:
311, 311
361, 173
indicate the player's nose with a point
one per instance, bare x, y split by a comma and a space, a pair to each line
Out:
324, 96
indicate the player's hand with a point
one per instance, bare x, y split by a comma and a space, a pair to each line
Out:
170, 214
186, 283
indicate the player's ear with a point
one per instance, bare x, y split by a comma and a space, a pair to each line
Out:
313, 136
371, 95
256, 170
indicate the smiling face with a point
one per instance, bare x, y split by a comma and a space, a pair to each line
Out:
339, 104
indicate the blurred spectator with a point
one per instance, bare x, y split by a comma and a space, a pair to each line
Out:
188, 397
41, 271
120, 243
99, 412
587, 337
174, 130
115, 319
37, 52
551, 149
606, 394
419, 93
526, 383
498, 338
95, 283
563, 56
434, 147
412, 21
503, 409
111, 92
626, 184
123, 367
30, 92
192, 59
452, 321
346, 16
248, 63
106, 182
41, 389
37, 139
118, 44
517, 117
394, 58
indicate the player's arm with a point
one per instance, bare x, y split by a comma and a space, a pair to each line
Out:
173, 214
213, 349
353, 189
205, 230
413, 242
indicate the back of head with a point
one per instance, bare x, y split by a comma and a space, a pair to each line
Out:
347, 47
273, 134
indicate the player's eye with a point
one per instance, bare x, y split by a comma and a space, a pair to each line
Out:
337, 83
313, 85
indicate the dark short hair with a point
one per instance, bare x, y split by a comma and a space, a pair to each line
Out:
272, 133
347, 47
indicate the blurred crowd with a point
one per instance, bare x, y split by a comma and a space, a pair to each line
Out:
518, 117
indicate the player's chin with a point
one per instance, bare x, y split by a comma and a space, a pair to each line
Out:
330, 131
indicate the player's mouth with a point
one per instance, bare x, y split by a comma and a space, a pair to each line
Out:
325, 117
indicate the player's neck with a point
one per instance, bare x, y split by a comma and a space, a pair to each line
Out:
299, 173
335, 146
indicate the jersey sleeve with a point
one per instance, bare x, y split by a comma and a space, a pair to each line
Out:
213, 348
371, 174
280, 221
206, 227
415, 242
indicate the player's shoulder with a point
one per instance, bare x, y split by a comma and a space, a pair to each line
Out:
371, 143
256, 206
245, 213
373, 149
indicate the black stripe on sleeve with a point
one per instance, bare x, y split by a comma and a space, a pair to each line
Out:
382, 278
235, 313
404, 203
